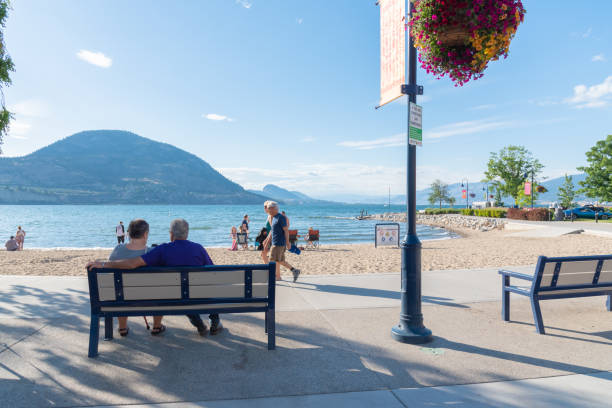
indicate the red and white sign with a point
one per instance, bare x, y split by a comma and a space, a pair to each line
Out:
527, 188
392, 49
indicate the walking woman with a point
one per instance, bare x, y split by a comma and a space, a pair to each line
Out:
20, 237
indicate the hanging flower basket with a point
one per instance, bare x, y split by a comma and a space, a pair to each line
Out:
458, 38
541, 189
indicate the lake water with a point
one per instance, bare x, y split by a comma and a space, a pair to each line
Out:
93, 226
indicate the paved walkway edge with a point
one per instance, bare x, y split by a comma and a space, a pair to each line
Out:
577, 390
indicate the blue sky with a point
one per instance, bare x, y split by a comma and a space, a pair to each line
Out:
283, 92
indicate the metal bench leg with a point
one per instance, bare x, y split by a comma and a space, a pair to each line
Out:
108, 328
537, 315
266, 321
609, 303
94, 332
505, 299
271, 330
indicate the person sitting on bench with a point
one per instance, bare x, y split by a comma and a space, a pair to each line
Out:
178, 252
138, 232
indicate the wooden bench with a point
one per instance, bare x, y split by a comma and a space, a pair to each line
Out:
557, 278
154, 291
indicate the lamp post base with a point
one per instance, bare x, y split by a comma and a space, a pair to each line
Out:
411, 335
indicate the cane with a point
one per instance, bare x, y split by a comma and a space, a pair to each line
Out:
146, 322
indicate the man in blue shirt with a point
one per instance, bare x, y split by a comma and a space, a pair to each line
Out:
178, 252
279, 238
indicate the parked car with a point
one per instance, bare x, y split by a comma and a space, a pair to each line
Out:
588, 211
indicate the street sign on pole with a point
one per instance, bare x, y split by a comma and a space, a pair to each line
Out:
392, 49
416, 125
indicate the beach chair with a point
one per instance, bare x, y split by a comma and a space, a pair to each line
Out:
241, 240
312, 238
293, 237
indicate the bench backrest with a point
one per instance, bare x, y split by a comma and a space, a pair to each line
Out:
172, 286
573, 275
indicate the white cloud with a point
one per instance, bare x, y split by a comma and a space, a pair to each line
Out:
595, 96
587, 33
18, 129
330, 179
453, 129
598, 58
95, 58
322, 178
30, 107
244, 3
393, 141
466, 128
483, 107
217, 117
308, 140
299, 20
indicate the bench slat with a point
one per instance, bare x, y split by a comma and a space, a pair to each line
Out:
216, 291
215, 278
107, 294
186, 307
151, 292
151, 279
106, 280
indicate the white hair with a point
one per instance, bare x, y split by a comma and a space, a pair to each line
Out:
272, 204
179, 228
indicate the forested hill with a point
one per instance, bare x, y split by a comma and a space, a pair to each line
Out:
115, 167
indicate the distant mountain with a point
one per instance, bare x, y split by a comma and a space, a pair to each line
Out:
287, 196
115, 167
455, 190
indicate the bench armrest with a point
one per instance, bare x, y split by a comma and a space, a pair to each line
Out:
517, 275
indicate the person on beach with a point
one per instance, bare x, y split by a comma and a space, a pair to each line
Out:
138, 233
11, 244
266, 244
245, 223
279, 239
120, 231
20, 237
178, 252
263, 234
245, 230
234, 236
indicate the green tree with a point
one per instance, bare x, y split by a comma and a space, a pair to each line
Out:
6, 66
439, 193
566, 193
507, 169
451, 201
598, 182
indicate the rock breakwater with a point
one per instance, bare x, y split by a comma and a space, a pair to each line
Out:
449, 221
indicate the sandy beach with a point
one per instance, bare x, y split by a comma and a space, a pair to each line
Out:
474, 250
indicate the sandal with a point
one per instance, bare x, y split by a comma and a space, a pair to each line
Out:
158, 330
124, 332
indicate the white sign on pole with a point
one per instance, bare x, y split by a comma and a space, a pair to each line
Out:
392, 49
416, 125
386, 234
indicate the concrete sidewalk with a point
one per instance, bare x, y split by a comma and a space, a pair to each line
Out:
333, 349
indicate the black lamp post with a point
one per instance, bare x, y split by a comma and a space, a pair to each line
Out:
410, 328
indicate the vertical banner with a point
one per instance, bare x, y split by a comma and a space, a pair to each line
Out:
392, 49
527, 188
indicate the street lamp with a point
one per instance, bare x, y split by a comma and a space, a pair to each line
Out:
467, 191
410, 328
486, 194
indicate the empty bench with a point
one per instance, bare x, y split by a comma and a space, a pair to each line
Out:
179, 291
558, 278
